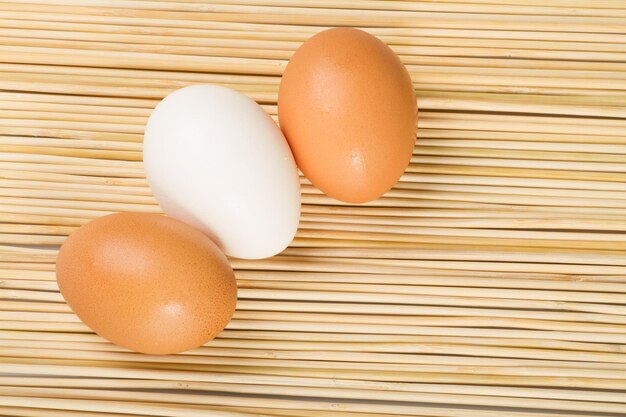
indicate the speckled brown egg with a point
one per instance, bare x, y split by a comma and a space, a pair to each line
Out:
147, 282
347, 107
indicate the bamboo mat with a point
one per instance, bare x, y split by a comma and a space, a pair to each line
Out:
491, 281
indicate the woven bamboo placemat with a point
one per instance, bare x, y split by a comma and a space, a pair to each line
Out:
489, 282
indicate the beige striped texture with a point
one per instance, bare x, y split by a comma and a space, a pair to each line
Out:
491, 281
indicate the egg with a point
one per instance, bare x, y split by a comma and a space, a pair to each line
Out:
147, 282
217, 161
346, 105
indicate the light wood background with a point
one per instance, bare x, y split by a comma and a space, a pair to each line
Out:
491, 281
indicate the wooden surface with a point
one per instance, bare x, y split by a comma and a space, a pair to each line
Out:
489, 282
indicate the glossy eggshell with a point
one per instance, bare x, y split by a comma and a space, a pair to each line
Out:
147, 282
217, 161
348, 110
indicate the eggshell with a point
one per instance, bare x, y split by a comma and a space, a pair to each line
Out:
147, 282
347, 107
217, 161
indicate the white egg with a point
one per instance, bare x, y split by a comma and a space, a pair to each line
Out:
217, 161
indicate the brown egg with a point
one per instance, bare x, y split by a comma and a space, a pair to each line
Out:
347, 107
147, 282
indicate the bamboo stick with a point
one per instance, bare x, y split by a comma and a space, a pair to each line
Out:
335, 351
6, 266
424, 290
404, 190
78, 399
502, 171
529, 119
521, 234
405, 267
341, 313
433, 277
509, 7
430, 117
425, 102
606, 360
70, 133
56, 56
350, 339
389, 338
425, 64
69, 178
510, 181
323, 360
107, 187
427, 295
560, 187
272, 268
387, 215
97, 118
549, 222
368, 5
557, 3
68, 143
39, 97
38, 412
514, 126
575, 200
14, 239
308, 326
435, 331
55, 124
148, 85
78, 195
278, 15
108, 155
322, 373
381, 362
59, 56
133, 408
505, 135
418, 252
387, 395
164, 384
571, 223
408, 266
441, 290
104, 76
283, 50
485, 79
252, 30
423, 149
440, 101
250, 411
347, 374
289, 42
384, 203
510, 145
80, 167
513, 106
455, 212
